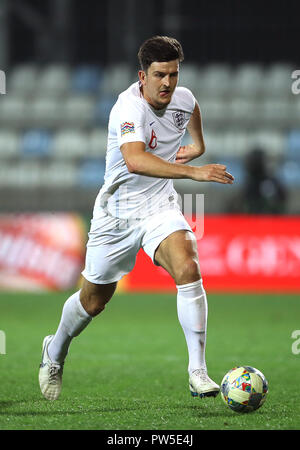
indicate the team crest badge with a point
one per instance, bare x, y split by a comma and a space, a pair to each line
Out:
179, 119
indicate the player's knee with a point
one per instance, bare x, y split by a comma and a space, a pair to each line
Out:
94, 297
187, 272
93, 304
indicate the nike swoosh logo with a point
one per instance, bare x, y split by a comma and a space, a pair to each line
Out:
152, 123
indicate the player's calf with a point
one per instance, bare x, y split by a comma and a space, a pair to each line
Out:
94, 297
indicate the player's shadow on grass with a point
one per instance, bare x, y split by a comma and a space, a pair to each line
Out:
4, 405
59, 408
8, 408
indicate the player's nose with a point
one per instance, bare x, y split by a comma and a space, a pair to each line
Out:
166, 81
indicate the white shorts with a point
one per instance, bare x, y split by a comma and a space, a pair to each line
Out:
113, 244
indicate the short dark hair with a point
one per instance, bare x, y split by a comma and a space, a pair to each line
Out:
159, 49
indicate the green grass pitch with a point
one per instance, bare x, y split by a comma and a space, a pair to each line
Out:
127, 370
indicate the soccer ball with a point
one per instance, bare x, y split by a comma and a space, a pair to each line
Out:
244, 389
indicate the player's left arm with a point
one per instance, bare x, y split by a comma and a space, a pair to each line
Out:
189, 152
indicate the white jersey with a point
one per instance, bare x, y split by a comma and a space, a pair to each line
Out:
127, 195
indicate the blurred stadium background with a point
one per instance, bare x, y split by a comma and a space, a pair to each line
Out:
66, 61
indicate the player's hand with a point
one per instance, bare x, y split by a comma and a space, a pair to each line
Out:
212, 172
186, 153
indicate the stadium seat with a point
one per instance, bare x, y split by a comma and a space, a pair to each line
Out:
5, 174
214, 111
54, 80
36, 143
189, 76
247, 80
275, 113
86, 79
22, 81
45, 112
70, 143
91, 173
213, 143
242, 111
102, 109
214, 81
98, 142
13, 111
29, 174
235, 144
116, 78
9, 144
78, 110
23, 174
278, 81
59, 175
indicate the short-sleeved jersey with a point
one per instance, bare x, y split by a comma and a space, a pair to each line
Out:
128, 195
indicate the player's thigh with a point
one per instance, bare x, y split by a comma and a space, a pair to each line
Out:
111, 251
94, 297
178, 254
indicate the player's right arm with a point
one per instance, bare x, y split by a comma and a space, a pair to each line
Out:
140, 162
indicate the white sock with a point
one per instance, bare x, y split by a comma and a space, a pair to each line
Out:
192, 315
73, 320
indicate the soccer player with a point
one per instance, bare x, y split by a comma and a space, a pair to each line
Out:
137, 207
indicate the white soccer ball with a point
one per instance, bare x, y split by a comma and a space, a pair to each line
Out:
244, 389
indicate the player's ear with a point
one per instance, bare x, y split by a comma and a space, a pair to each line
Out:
142, 77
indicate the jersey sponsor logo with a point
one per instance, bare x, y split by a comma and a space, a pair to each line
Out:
153, 141
127, 127
179, 119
